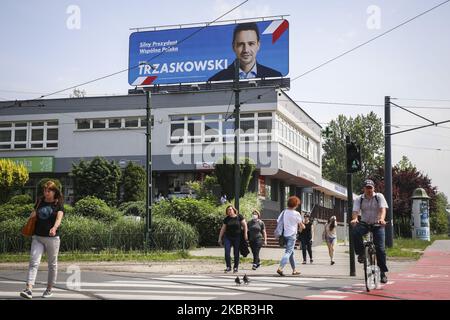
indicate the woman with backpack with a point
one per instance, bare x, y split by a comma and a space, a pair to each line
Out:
257, 237
330, 236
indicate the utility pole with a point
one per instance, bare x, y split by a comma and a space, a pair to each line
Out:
237, 127
349, 212
148, 167
389, 236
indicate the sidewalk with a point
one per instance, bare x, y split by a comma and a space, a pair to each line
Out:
320, 268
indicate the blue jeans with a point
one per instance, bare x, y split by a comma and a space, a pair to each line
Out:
289, 252
228, 243
378, 239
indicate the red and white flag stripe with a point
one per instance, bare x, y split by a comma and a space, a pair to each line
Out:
276, 29
142, 81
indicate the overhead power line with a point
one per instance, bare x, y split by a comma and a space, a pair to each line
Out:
136, 66
359, 46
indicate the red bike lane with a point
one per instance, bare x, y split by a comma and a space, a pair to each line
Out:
427, 279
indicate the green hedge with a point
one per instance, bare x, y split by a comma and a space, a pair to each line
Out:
21, 199
11, 239
204, 215
170, 234
86, 234
92, 207
10, 211
133, 208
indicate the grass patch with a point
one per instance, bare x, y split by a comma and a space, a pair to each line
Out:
124, 256
411, 248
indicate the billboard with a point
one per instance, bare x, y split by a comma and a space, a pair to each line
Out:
200, 54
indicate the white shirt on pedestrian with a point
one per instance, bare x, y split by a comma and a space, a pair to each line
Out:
291, 220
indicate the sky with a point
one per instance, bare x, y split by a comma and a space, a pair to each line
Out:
43, 50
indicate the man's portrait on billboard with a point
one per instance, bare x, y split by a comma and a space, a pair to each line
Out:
246, 44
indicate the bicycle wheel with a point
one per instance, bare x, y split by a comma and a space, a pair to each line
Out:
374, 268
366, 266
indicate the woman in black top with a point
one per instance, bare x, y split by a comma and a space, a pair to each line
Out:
233, 226
306, 237
49, 213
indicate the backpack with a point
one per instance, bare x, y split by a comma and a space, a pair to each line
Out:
361, 198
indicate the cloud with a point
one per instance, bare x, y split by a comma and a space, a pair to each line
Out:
243, 12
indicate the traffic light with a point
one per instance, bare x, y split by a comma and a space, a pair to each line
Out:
353, 158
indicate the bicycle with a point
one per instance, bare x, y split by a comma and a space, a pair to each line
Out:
371, 270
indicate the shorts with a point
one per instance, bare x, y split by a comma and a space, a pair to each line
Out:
330, 240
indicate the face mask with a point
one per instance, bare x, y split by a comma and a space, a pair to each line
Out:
255, 217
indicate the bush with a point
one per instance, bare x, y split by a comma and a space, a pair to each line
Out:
12, 177
21, 199
84, 234
133, 182
198, 213
98, 178
133, 208
11, 238
95, 208
68, 210
172, 234
10, 211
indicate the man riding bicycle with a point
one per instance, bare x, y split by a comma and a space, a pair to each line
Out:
372, 208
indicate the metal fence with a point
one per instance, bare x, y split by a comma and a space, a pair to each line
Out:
103, 242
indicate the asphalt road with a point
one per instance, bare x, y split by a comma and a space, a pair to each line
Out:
124, 286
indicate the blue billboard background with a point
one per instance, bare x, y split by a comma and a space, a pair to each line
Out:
202, 55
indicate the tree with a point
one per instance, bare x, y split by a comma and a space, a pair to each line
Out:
98, 178
224, 171
12, 177
365, 131
405, 179
78, 93
133, 182
439, 219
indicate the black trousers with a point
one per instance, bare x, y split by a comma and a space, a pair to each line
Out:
306, 246
256, 248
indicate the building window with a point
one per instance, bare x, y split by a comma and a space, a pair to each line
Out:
111, 123
296, 140
115, 123
220, 127
83, 124
99, 124
132, 122
29, 135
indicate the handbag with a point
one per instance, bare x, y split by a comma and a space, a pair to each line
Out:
243, 246
279, 231
28, 229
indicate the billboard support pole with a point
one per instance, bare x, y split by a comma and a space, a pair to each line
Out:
148, 167
237, 127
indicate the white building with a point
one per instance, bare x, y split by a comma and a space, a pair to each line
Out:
191, 131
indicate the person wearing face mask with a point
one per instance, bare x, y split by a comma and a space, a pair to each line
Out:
257, 237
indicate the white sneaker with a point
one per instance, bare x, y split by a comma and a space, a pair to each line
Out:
47, 294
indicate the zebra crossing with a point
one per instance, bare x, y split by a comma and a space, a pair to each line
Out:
169, 287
